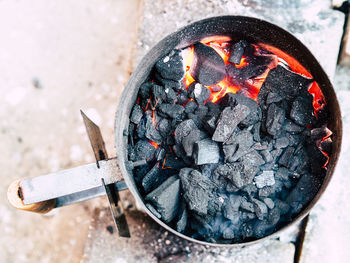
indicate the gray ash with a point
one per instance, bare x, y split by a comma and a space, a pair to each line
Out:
232, 149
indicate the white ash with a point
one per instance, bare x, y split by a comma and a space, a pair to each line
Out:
266, 178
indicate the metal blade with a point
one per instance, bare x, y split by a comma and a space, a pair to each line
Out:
100, 152
95, 137
116, 209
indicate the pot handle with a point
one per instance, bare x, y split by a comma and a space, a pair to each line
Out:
43, 193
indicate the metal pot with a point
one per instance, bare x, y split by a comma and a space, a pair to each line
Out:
237, 27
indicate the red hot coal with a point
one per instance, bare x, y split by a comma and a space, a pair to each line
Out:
235, 140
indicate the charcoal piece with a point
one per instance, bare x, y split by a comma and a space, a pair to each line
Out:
197, 190
173, 162
166, 197
182, 98
246, 230
189, 141
231, 207
208, 169
266, 154
171, 110
273, 98
291, 127
151, 132
285, 83
164, 127
158, 94
160, 153
201, 226
171, 66
302, 112
229, 187
208, 68
136, 114
256, 132
228, 233
246, 205
168, 83
153, 210
191, 106
282, 174
317, 158
240, 173
305, 190
255, 112
259, 147
282, 206
206, 151
241, 75
178, 150
266, 178
214, 109
140, 172
131, 153
144, 91
229, 100
152, 179
229, 150
182, 220
284, 160
199, 92
243, 140
169, 140
237, 51
183, 129
274, 216
141, 128
275, 119
210, 124
269, 203
319, 133
281, 142
144, 150
326, 145
260, 208
262, 228
228, 121
203, 135
170, 94
246, 216
266, 191
215, 204
295, 162
253, 159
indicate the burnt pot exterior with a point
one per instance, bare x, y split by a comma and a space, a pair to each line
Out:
237, 27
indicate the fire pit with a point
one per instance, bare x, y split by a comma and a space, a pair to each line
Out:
234, 119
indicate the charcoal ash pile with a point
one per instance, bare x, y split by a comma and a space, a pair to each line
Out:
237, 169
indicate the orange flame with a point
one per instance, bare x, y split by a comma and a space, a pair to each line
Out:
242, 63
154, 144
188, 63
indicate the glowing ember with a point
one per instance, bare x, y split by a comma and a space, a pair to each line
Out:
154, 144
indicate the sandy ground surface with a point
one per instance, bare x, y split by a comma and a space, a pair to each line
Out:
56, 57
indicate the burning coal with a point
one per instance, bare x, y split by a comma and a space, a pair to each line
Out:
235, 137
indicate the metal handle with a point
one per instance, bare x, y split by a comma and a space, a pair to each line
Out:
65, 187
43, 193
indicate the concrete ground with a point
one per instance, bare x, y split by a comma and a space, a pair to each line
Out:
57, 58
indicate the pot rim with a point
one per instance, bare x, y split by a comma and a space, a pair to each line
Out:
122, 116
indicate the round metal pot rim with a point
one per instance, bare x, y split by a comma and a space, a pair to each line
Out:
182, 38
